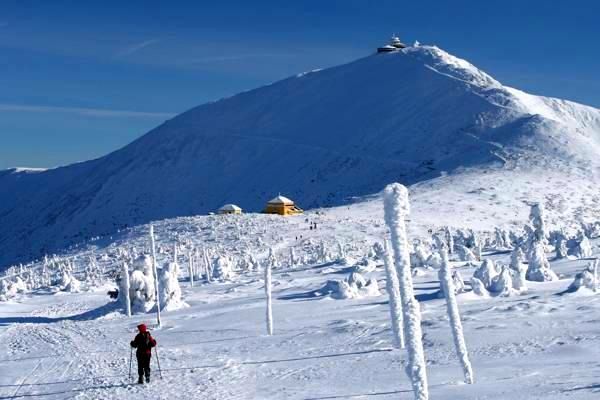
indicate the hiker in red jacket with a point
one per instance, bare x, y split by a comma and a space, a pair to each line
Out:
143, 342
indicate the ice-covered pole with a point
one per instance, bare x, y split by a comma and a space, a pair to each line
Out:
125, 289
396, 208
269, 315
393, 289
191, 268
454, 317
595, 275
155, 272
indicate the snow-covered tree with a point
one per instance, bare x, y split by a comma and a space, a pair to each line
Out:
6, 291
536, 219
583, 248
68, 282
519, 269
208, 266
486, 272
341, 251
465, 254
124, 289
503, 282
439, 242
560, 245
222, 268
449, 240
449, 290
141, 285
393, 290
501, 239
170, 292
479, 288
588, 278
538, 267
478, 250
354, 286
420, 255
435, 260
293, 258
396, 209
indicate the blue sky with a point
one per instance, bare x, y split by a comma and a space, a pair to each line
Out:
78, 80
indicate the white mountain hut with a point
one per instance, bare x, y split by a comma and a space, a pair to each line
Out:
230, 209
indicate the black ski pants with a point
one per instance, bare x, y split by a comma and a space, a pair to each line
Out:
143, 361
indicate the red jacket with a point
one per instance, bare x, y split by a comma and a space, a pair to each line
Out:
143, 342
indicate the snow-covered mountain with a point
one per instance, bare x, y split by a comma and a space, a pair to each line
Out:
419, 116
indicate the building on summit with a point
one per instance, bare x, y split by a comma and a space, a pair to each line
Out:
395, 44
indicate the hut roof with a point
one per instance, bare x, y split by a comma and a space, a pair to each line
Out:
230, 207
281, 200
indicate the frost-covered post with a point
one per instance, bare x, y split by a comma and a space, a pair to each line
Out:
454, 317
191, 268
125, 289
292, 257
155, 272
396, 208
207, 266
393, 289
269, 314
595, 275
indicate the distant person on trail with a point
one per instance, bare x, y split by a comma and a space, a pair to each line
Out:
143, 343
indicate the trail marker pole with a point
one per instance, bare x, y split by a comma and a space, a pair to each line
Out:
158, 363
130, 359
155, 275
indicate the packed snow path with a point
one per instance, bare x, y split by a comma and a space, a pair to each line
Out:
539, 345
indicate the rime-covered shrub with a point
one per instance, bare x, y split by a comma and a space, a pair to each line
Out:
222, 268
560, 246
353, 287
170, 291
465, 254
502, 284
69, 283
486, 272
419, 256
458, 282
141, 285
435, 260
479, 288
519, 270
584, 279
538, 269
536, 219
583, 249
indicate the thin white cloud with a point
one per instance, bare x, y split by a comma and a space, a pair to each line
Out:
129, 50
88, 112
235, 57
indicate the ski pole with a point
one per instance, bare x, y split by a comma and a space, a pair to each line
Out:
130, 358
158, 362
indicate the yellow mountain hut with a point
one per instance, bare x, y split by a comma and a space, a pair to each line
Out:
283, 206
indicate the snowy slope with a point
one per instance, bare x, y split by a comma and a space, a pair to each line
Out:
321, 138
543, 344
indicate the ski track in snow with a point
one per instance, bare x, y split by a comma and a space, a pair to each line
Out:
538, 345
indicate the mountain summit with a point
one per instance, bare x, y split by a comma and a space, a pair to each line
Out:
322, 137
